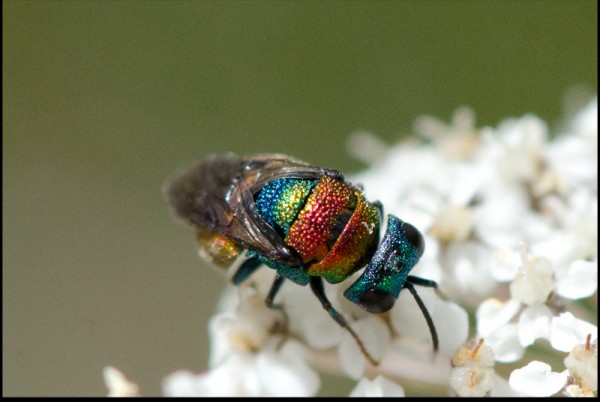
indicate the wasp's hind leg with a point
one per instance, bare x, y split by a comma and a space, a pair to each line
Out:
245, 270
280, 326
316, 284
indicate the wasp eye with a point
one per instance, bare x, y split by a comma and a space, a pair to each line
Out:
376, 302
415, 237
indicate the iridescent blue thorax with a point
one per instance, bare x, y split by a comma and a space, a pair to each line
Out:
280, 201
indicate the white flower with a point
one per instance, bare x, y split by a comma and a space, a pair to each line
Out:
537, 379
582, 364
504, 264
535, 322
493, 313
572, 158
271, 372
514, 149
506, 343
456, 141
500, 215
509, 215
466, 270
473, 370
533, 282
453, 223
568, 331
579, 281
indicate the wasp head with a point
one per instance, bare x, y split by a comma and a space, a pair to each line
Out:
377, 289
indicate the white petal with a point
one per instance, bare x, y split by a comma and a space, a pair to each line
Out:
534, 322
537, 379
183, 383
308, 318
561, 248
186, 384
581, 280
534, 281
505, 343
118, 385
504, 265
492, 314
582, 364
321, 331
351, 358
242, 326
290, 349
471, 381
378, 387
452, 325
465, 356
586, 120
452, 224
375, 337
467, 265
575, 158
218, 330
281, 376
429, 265
569, 331
502, 389
450, 320
236, 377
374, 334
499, 218
366, 146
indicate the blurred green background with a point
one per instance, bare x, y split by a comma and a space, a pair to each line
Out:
103, 100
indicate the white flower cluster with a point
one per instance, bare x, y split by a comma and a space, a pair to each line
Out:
473, 370
509, 216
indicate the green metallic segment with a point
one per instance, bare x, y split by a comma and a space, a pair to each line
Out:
295, 274
355, 245
378, 287
280, 201
245, 270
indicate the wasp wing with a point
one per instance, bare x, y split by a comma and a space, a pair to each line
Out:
217, 194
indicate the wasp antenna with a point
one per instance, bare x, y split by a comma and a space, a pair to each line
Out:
432, 331
428, 283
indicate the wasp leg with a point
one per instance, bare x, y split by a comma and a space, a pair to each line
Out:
413, 280
316, 284
273, 292
245, 270
281, 327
